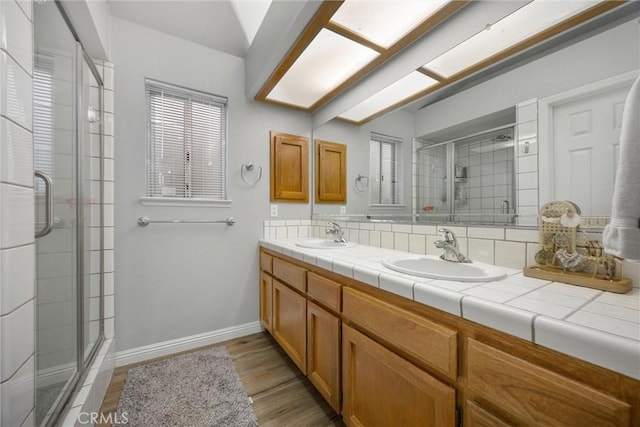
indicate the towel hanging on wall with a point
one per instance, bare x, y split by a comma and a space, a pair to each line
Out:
622, 236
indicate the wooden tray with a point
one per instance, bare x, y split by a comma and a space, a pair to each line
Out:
619, 285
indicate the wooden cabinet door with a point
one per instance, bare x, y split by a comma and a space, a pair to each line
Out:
531, 395
289, 168
323, 353
266, 300
331, 172
382, 389
476, 416
289, 323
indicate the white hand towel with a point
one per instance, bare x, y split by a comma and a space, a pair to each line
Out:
622, 236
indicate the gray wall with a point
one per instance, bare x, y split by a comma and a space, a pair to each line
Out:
174, 281
605, 55
398, 124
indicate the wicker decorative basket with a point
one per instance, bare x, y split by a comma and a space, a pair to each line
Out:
557, 224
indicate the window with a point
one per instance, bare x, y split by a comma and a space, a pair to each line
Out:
383, 171
187, 138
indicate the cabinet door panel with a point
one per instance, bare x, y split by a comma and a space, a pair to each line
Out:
475, 416
289, 168
535, 396
290, 274
382, 389
266, 300
323, 353
289, 323
324, 291
331, 172
427, 341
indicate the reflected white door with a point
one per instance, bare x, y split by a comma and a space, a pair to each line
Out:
586, 135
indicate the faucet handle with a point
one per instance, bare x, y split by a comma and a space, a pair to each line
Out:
449, 236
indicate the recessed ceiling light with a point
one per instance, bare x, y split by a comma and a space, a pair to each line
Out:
396, 92
328, 61
384, 22
526, 22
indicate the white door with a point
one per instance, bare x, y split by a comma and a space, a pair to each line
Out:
586, 136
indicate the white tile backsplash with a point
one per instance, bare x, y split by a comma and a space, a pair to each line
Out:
481, 250
510, 254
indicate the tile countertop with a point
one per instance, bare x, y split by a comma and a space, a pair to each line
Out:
600, 327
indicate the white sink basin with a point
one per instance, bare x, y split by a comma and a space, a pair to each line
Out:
323, 244
436, 268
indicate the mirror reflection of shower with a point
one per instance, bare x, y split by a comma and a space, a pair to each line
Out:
468, 180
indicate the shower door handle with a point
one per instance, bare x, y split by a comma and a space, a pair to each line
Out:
48, 200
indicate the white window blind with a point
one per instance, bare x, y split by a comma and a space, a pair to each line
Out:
187, 138
383, 169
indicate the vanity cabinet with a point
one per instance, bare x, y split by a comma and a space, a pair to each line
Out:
323, 353
380, 360
289, 323
383, 389
531, 395
266, 301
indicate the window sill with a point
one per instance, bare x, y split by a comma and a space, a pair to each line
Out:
388, 206
172, 201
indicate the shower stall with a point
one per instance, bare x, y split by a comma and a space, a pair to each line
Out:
469, 180
67, 112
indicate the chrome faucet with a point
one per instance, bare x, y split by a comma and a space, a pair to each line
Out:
505, 206
336, 230
450, 246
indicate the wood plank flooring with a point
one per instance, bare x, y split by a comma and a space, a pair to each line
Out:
281, 395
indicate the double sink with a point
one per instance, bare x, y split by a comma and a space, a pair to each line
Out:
427, 266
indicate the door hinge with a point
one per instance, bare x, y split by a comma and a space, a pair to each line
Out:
458, 416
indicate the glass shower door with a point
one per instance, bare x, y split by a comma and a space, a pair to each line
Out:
90, 152
55, 158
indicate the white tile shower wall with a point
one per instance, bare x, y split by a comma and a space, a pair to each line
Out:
527, 157
17, 250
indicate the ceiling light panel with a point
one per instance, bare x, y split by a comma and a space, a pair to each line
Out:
396, 92
527, 21
327, 62
384, 22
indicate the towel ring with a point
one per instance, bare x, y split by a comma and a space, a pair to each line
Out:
249, 166
359, 180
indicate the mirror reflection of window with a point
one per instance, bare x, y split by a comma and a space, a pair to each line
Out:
383, 155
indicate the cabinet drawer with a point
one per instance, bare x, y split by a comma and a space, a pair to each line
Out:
290, 274
265, 262
324, 291
531, 395
426, 341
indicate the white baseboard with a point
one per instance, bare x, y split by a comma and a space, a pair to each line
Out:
139, 354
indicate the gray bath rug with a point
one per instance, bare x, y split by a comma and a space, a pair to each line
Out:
195, 389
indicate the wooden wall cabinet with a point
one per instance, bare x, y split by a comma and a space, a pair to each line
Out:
289, 168
331, 172
382, 389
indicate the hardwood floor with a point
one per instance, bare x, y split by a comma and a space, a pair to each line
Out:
281, 395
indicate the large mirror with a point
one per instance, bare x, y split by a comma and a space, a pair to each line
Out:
544, 129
